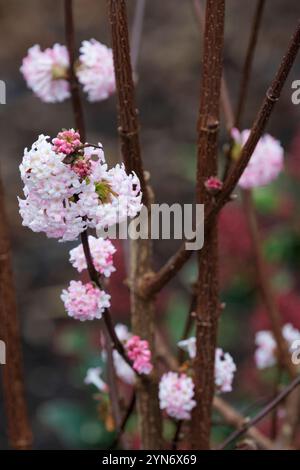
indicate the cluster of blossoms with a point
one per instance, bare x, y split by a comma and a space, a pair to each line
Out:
137, 351
102, 251
265, 354
176, 395
69, 188
46, 72
224, 365
266, 161
85, 301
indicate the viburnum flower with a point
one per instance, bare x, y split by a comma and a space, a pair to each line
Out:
93, 377
176, 395
96, 70
266, 162
85, 301
102, 251
265, 354
224, 364
67, 141
139, 353
69, 188
224, 371
46, 72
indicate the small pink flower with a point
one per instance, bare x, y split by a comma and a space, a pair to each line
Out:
176, 395
85, 301
67, 142
102, 251
82, 167
139, 353
213, 184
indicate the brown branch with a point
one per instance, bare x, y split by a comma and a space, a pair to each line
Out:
127, 111
207, 306
225, 100
18, 427
142, 311
126, 417
264, 412
157, 281
249, 61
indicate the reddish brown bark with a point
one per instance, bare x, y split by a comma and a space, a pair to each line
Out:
207, 307
142, 310
18, 427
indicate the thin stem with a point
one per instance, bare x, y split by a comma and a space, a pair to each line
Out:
136, 33
264, 412
249, 61
127, 415
176, 437
75, 92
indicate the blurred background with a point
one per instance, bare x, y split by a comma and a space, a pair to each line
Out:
64, 412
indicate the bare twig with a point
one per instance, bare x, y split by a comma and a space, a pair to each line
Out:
249, 61
127, 415
18, 427
136, 33
264, 412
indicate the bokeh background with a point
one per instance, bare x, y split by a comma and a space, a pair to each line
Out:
64, 412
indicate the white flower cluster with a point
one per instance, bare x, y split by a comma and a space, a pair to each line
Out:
265, 354
176, 395
66, 194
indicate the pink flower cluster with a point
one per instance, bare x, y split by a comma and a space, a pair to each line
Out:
139, 353
176, 395
67, 142
102, 252
84, 301
266, 162
46, 72
265, 354
63, 197
224, 371
96, 70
